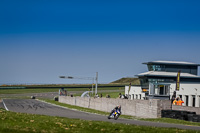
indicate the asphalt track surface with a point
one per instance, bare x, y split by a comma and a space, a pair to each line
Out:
37, 107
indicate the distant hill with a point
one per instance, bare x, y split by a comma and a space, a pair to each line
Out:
133, 81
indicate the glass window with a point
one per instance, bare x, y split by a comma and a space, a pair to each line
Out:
144, 82
156, 67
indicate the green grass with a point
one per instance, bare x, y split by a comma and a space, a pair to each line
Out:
62, 85
23, 91
42, 90
127, 81
99, 89
104, 94
12, 122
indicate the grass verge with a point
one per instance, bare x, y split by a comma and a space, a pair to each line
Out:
30, 123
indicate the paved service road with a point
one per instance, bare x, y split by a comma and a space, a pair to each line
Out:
37, 107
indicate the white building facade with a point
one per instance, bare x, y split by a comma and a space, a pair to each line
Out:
160, 82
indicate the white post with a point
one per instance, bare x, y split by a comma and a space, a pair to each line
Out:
96, 83
92, 86
190, 100
184, 100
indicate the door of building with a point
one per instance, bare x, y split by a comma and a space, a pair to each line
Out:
161, 89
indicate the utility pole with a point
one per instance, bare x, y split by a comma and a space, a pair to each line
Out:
85, 78
96, 83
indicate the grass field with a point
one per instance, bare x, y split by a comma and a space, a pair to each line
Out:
104, 94
12, 122
23, 91
42, 90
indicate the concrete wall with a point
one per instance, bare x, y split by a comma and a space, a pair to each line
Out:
187, 108
140, 108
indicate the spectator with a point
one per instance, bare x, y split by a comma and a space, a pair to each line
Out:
180, 102
107, 96
173, 96
175, 102
96, 96
120, 95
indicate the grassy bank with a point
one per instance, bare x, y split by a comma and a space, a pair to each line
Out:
29, 123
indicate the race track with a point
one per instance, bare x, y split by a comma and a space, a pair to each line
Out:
37, 107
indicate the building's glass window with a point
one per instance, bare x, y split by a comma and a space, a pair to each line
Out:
182, 68
160, 80
156, 67
144, 83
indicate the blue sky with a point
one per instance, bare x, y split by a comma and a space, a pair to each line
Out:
41, 40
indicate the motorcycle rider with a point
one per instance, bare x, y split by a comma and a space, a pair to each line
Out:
117, 109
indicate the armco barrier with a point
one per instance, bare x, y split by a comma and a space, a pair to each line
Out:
140, 108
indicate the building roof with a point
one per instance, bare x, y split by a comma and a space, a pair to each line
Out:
172, 63
167, 74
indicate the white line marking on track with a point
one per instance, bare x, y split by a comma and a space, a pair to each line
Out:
5, 105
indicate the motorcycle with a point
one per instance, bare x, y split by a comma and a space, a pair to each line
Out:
115, 115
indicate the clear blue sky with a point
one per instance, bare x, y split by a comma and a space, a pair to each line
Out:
43, 39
